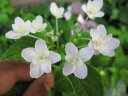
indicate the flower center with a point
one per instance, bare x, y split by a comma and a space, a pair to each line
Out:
74, 59
100, 42
38, 27
42, 58
92, 10
21, 29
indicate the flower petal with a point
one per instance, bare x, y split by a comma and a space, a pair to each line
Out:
80, 19
46, 66
28, 54
84, 8
81, 72
70, 48
105, 50
18, 20
86, 53
101, 29
97, 4
68, 68
99, 14
35, 71
113, 43
39, 18
41, 47
13, 35
67, 15
53, 8
54, 57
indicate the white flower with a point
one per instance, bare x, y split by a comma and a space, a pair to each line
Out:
80, 19
92, 8
41, 58
38, 24
75, 60
68, 14
57, 12
103, 43
20, 28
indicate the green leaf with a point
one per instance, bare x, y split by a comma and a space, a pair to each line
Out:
90, 86
14, 52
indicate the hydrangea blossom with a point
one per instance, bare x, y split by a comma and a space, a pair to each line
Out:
41, 58
75, 60
38, 24
92, 8
103, 43
57, 12
20, 28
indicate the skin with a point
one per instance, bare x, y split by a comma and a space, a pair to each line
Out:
13, 71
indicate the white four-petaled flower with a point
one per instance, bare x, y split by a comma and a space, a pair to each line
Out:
41, 58
57, 12
75, 60
20, 28
92, 8
103, 43
38, 24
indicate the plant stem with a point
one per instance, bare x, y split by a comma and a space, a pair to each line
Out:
34, 37
85, 38
57, 32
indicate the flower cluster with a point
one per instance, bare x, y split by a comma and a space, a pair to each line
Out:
42, 59
23, 28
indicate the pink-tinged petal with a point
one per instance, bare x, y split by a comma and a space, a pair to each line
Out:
13, 35
28, 54
54, 57
41, 47
35, 71
86, 53
81, 72
70, 48
68, 68
46, 66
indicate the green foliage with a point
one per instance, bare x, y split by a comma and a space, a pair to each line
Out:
14, 52
90, 86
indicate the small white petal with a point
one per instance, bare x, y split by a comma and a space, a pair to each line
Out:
80, 19
81, 72
41, 47
98, 32
113, 44
39, 18
46, 66
68, 57
68, 68
99, 14
84, 8
28, 54
70, 48
53, 8
18, 20
54, 57
57, 12
13, 35
101, 29
86, 53
97, 4
67, 15
35, 71
106, 51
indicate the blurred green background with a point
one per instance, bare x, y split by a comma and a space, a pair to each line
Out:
114, 71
